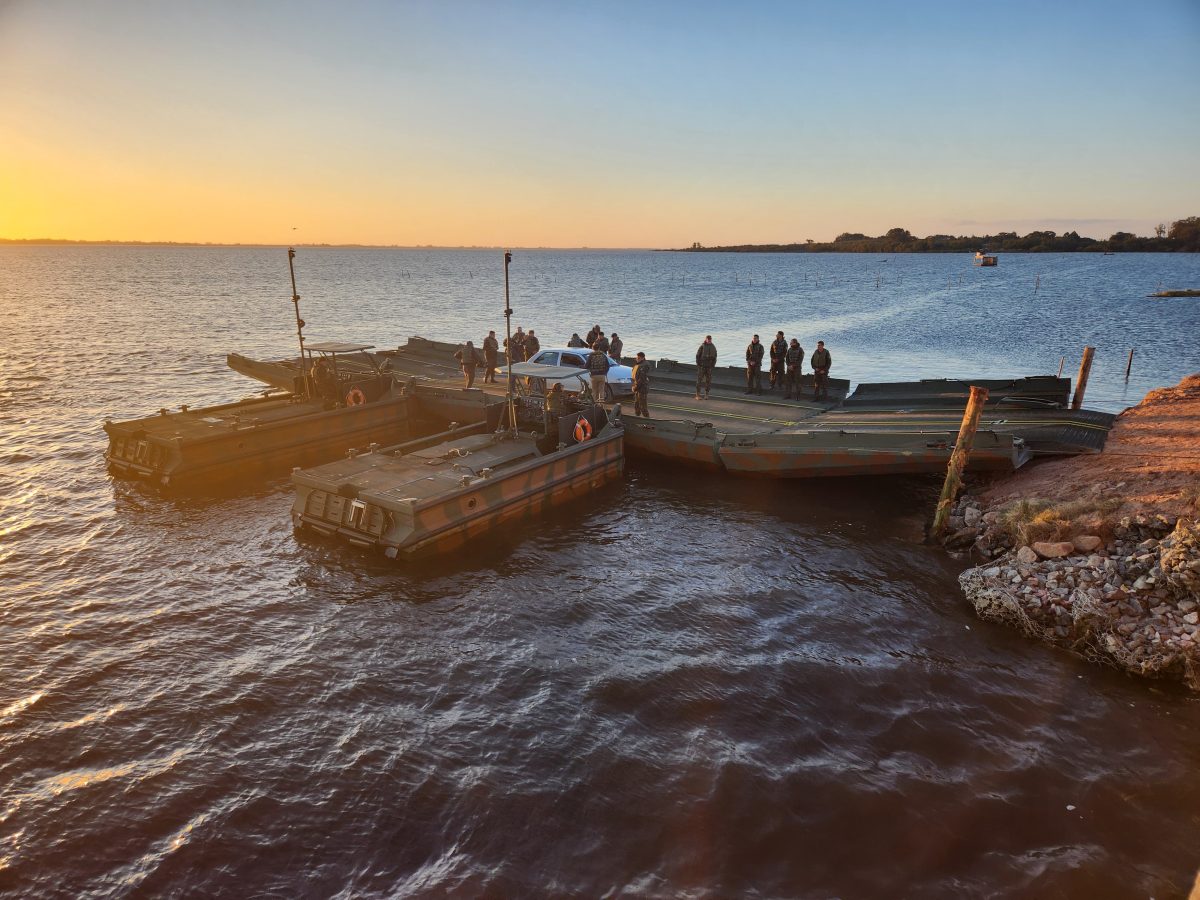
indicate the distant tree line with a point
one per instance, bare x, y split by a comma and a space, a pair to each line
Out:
1182, 236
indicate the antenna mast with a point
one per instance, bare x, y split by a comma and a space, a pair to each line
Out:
508, 346
299, 322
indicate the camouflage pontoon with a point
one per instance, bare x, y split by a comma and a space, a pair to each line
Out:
434, 495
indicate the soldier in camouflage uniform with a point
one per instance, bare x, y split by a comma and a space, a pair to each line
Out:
821, 362
641, 387
779, 348
754, 358
794, 359
491, 348
706, 359
532, 344
598, 365
556, 405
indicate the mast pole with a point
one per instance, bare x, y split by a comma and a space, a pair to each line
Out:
508, 346
299, 322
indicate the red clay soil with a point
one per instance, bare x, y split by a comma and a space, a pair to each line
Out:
1151, 461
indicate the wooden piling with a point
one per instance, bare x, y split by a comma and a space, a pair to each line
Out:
1061, 361
958, 460
1128, 365
1085, 369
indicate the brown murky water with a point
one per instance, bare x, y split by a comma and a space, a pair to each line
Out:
684, 687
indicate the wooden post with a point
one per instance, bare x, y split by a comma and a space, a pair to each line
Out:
958, 460
1085, 368
1128, 365
1061, 360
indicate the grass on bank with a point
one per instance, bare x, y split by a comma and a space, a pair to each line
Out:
1029, 520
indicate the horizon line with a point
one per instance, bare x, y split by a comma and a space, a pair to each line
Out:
266, 244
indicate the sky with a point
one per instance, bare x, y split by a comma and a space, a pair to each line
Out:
597, 124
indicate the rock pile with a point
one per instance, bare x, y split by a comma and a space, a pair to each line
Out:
1132, 601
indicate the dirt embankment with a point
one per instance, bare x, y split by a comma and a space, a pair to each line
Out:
1100, 554
1150, 464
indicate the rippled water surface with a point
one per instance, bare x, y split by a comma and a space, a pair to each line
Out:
684, 687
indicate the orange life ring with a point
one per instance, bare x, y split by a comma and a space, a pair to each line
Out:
356, 397
583, 429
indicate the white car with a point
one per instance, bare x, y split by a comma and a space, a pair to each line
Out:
620, 378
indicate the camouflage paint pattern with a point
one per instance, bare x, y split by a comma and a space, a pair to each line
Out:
814, 455
440, 524
256, 438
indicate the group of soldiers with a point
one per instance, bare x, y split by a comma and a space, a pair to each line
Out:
786, 372
787, 363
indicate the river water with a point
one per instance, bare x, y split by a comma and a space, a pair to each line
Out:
684, 687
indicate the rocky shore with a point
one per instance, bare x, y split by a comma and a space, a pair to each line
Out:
1099, 556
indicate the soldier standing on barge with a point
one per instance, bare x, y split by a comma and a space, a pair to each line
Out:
754, 359
779, 349
821, 363
468, 358
795, 363
641, 386
706, 359
491, 349
615, 346
598, 364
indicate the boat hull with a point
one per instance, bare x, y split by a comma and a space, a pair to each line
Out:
263, 437
399, 527
826, 455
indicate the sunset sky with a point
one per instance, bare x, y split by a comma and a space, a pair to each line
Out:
601, 124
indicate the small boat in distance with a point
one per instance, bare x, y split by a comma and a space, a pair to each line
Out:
983, 259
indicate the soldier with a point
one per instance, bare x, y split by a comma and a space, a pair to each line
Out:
324, 380
576, 340
556, 405
779, 349
615, 346
754, 358
706, 358
641, 386
468, 358
514, 347
491, 348
592, 335
794, 359
601, 342
597, 363
821, 363
532, 345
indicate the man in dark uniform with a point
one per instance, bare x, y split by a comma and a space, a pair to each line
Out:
592, 335
754, 358
615, 346
576, 340
468, 358
706, 359
779, 348
491, 348
598, 365
794, 359
556, 405
532, 344
514, 347
324, 380
601, 343
821, 363
641, 386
